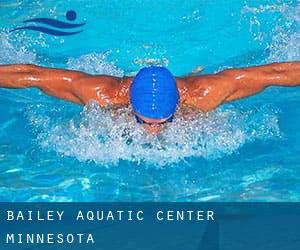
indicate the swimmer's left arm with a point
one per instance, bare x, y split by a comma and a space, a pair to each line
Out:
252, 80
207, 92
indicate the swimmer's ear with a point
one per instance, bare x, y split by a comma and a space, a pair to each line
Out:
196, 71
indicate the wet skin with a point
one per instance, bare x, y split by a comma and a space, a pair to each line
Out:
203, 92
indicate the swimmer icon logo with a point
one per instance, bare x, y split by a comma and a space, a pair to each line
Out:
57, 28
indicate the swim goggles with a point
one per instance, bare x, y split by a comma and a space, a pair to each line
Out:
141, 121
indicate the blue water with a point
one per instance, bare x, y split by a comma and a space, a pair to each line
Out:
248, 150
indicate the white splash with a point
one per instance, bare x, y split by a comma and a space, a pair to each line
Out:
285, 45
106, 136
95, 63
285, 42
12, 51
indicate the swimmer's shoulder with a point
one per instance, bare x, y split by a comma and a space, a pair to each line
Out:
104, 89
190, 86
205, 92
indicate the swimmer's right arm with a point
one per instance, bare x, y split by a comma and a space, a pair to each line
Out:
54, 82
74, 86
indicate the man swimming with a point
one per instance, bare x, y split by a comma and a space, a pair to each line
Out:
153, 93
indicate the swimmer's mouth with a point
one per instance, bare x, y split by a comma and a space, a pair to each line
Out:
141, 121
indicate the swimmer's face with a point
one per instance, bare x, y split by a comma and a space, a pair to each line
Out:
153, 126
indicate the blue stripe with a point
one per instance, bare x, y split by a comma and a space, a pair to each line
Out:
54, 23
47, 31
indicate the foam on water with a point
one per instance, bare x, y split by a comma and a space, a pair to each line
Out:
106, 136
13, 51
284, 45
95, 63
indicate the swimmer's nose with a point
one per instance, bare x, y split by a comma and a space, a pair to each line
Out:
153, 129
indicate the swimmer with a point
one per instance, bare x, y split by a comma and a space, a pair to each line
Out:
154, 93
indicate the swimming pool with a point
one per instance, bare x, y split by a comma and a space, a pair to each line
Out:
248, 150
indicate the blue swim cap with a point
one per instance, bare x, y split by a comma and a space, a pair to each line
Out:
154, 93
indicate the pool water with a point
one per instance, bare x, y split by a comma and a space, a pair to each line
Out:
248, 150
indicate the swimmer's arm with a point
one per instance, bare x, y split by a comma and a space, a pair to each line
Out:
255, 79
74, 86
207, 92
54, 82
